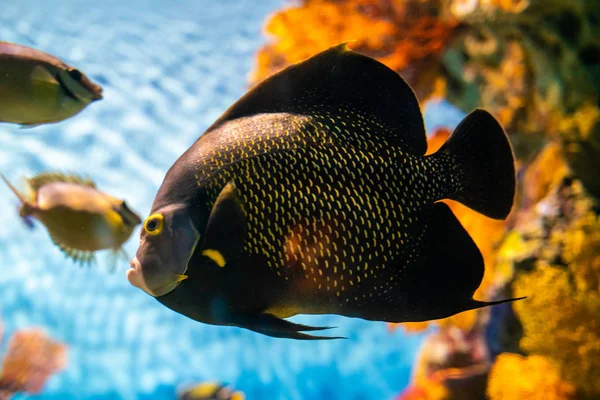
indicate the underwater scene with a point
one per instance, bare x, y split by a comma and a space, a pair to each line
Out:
310, 199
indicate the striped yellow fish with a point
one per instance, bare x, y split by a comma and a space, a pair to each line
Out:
210, 391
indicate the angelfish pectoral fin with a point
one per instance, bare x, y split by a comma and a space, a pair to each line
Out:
216, 256
226, 228
270, 325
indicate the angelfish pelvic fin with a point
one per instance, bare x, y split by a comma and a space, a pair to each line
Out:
270, 325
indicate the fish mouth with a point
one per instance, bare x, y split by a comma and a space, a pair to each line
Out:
136, 279
96, 91
96, 94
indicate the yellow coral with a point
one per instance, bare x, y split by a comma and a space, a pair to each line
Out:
555, 252
512, 249
581, 122
515, 377
529, 238
561, 316
580, 133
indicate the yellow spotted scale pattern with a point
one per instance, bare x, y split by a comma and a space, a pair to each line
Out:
330, 204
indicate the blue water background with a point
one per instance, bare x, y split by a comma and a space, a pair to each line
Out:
169, 68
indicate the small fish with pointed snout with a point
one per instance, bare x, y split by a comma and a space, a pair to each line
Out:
37, 88
79, 218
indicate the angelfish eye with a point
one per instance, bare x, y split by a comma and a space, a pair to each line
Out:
154, 224
75, 74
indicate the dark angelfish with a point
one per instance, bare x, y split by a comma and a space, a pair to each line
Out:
312, 195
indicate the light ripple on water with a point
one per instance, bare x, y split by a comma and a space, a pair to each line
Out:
168, 72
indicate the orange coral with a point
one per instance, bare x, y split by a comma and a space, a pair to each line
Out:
378, 28
29, 361
452, 364
527, 378
547, 169
429, 389
449, 384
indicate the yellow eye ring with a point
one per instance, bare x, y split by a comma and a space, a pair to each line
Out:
154, 224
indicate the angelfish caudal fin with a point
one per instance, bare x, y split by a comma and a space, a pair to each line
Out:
483, 165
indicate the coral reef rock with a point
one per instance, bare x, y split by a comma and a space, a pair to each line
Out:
31, 358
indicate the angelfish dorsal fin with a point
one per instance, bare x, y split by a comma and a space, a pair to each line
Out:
226, 228
344, 85
45, 178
